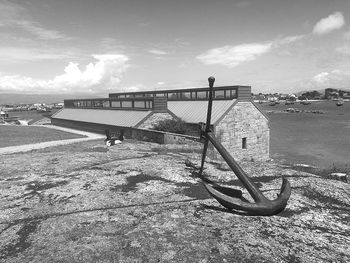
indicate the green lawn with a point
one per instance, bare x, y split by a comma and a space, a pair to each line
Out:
13, 135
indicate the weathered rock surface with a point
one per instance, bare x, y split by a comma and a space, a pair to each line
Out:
137, 202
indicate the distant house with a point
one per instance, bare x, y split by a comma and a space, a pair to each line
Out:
237, 122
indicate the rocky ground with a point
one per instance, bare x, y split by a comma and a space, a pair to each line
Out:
138, 202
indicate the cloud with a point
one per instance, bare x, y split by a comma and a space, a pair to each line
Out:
332, 22
39, 31
104, 74
232, 56
331, 79
14, 55
321, 78
16, 16
157, 52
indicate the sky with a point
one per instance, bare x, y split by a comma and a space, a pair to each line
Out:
100, 46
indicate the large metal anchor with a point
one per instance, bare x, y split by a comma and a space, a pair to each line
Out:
232, 198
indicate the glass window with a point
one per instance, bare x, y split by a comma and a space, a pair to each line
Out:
88, 103
105, 104
159, 95
139, 95
127, 104
233, 94
115, 104
172, 95
148, 104
219, 94
201, 94
139, 104
186, 95
96, 103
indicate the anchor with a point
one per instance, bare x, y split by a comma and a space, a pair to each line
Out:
232, 198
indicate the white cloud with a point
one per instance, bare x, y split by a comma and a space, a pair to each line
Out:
232, 56
157, 52
106, 73
332, 22
14, 54
39, 31
321, 78
331, 79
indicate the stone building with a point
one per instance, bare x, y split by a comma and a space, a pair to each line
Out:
237, 122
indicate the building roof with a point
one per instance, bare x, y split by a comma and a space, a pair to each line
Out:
124, 118
196, 111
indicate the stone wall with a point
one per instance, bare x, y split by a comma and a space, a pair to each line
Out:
244, 121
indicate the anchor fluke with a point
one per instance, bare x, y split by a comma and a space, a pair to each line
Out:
263, 207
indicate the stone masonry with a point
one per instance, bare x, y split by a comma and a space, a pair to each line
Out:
244, 122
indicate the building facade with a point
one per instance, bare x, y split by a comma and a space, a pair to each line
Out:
237, 122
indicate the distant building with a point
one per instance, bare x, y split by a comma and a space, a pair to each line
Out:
237, 122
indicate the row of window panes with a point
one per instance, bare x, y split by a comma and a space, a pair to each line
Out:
90, 103
142, 104
190, 95
185, 95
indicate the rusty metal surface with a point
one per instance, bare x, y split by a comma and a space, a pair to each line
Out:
231, 199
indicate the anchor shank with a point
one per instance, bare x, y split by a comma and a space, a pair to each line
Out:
242, 176
211, 81
205, 147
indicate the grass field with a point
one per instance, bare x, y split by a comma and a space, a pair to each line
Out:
13, 135
315, 139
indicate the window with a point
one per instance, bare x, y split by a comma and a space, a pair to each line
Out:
139, 104
116, 104
172, 96
126, 104
233, 94
244, 143
219, 94
201, 94
105, 104
148, 104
